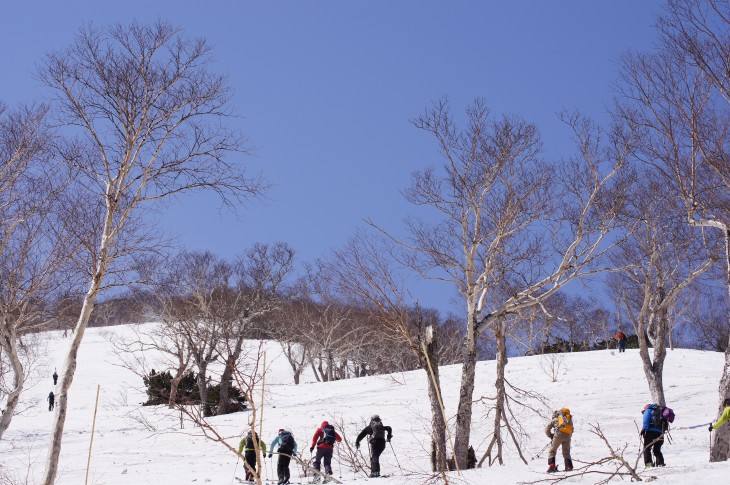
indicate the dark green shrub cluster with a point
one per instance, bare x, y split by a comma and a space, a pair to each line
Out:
158, 386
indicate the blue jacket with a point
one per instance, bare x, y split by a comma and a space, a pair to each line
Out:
276, 442
647, 426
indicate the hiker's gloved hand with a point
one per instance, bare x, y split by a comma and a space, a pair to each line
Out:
710, 428
643, 432
270, 455
311, 449
389, 438
357, 445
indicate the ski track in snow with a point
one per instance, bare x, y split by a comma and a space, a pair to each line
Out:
599, 387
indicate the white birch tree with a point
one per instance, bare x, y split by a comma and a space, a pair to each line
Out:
148, 119
677, 100
512, 229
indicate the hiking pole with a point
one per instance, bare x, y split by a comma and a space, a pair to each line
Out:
540, 452
235, 469
396, 457
339, 462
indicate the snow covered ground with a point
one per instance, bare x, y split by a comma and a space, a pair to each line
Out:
599, 387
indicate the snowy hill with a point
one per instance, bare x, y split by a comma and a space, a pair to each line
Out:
145, 445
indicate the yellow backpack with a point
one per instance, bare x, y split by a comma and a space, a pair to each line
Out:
565, 421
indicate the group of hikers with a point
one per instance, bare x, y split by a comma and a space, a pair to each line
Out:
655, 423
324, 440
51, 396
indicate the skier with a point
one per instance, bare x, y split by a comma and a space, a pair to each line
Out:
287, 449
621, 337
247, 447
560, 431
724, 417
51, 400
324, 439
376, 433
652, 430
55, 377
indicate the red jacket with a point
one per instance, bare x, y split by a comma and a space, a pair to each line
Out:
320, 434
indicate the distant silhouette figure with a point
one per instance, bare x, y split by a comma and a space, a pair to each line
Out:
51, 400
55, 377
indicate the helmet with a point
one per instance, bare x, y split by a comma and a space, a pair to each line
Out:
374, 417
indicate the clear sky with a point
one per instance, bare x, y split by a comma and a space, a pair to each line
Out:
326, 90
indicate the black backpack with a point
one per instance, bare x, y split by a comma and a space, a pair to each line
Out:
657, 419
376, 426
286, 442
329, 437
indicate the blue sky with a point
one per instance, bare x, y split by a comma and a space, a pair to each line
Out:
326, 90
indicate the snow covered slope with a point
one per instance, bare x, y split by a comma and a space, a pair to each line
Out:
129, 447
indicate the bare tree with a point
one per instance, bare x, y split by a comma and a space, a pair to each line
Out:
261, 276
661, 259
510, 233
676, 99
366, 271
147, 114
33, 246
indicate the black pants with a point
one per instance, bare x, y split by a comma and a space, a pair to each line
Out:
376, 449
250, 456
326, 454
282, 466
656, 447
50, 405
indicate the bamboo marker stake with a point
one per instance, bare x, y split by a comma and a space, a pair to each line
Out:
93, 426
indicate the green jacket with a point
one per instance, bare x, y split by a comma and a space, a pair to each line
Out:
245, 446
724, 418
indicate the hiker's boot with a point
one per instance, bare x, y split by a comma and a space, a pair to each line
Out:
551, 465
648, 464
568, 464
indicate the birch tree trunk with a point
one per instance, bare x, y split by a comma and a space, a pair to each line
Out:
466, 392
69, 367
657, 332
8, 344
438, 421
720, 449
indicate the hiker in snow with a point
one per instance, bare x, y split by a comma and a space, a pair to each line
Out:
287, 449
51, 400
376, 437
560, 431
324, 439
652, 430
621, 338
55, 377
724, 417
247, 447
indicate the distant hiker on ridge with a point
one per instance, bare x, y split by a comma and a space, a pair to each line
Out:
247, 446
287, 449
621, 337
55, 377
376, 433
324, 439
51, 400
560, 431
724, 417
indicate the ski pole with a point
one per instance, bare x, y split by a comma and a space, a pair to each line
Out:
396, 457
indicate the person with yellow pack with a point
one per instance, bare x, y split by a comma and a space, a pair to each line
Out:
560, 431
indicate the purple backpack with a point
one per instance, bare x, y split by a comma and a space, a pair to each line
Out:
668, 414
